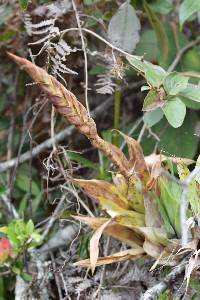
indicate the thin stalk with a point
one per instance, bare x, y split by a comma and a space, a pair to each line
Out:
117, 111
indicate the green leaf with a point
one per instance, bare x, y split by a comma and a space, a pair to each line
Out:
23, 4
16, 270
4, 229
154, 77
159, 30
154, 74
83, 250
151, 101
193, 190
162, 6
170, 194
123, 29
148, 46
153, 117
190, 104
175, 111
187, 9
90, 2
191, 61
98, 69
2, 190
7, 35
23, 183
27, 277
82, 160
181, 142
191, 92
36, 236
175, 83
29, 227
175, 38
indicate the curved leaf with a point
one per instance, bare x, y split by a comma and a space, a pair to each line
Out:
119, 232
132, 254
94, 244
123, 29
159, 30
187, 9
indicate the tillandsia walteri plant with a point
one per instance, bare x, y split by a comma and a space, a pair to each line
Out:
142, 204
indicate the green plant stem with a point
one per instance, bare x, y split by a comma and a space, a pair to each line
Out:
118, 99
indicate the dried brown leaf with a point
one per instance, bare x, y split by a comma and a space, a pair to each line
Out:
152, 249
152, 159
152, 215
94, 244
100, 189
119, 232
133, 254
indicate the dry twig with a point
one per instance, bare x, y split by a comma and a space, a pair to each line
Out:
4, 166
181, 52
156, 290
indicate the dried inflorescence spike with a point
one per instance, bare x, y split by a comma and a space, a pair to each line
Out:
68, 105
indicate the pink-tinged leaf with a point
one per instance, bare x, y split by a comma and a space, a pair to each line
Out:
5, 249
94, 245
132, 254
152, 215
121, 184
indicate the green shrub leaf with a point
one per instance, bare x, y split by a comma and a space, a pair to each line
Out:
187, 9
175, 111
152, 117
162, 6
174, 83
191, 92
159, 30
153, 74
123, 29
